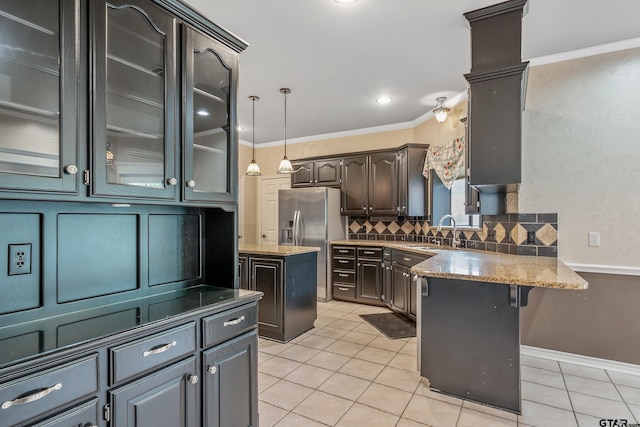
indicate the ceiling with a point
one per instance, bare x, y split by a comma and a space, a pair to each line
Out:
337, 59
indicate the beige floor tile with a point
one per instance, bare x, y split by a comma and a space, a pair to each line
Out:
360, 415
367, 329
604, 389
385, 343
546, 395
323, 321
331, 332
598, 407
432, 412
345, 324
489, 410
269, 415
316, 341
344, 348
471, 418
375, 355
295, 420
345, 308
272, 347
309, 376
299, 353
584, 371
370, 309
410, 348
542, 376
326, 360
362, 369
399, 378
354, 317
635, 410
358, 338
624, 379
323, 407
265, 381
263, 357
537, 415
278, 367
385, 398
335, 314
538, 362
587, 420
300, 337
631, 395
409, 423
285, 394
406, 362
344, 386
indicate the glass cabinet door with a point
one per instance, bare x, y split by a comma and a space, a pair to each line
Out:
210, 154
38, 95
134, 100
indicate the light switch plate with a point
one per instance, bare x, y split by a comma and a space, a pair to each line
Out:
594, 238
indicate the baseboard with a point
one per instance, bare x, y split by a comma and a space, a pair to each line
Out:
578, 359
604, 269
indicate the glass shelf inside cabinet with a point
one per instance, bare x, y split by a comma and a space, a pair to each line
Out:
29, 88
135, 100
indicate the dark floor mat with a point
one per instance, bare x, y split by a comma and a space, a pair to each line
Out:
391, 324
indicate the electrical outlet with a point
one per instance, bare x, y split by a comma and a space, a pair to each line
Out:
19, 259
531, 237
594, 238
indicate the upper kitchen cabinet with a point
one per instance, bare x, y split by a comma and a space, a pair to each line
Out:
318, 173
134, 100
370, 184
413, 190
210, 84
355, 185
38, 95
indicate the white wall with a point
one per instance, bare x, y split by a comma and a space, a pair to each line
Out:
581, 154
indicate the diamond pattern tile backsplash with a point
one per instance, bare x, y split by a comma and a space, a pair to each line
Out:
518, 234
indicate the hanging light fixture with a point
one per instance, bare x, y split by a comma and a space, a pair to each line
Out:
253, 169
285, 164
441, 111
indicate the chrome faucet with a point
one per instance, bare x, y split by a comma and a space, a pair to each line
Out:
455, 242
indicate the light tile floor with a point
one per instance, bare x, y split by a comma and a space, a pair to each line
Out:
345, 373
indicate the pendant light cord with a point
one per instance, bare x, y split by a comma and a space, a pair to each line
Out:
253, 130
285, 124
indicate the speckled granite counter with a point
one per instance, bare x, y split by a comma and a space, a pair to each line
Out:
488, 267
277, 250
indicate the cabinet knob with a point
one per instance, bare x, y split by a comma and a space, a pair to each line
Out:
172, 181
212, 370
193, 379
364, 208
191, 183
71, 169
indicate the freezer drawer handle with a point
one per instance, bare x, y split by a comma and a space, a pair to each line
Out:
343, 275
32, 397
233, 321
158, 350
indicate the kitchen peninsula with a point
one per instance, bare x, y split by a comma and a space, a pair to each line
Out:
287, 276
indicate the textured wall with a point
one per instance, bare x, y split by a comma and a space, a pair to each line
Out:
581, 149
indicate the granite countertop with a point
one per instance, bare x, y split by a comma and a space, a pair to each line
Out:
482, 266
278, 250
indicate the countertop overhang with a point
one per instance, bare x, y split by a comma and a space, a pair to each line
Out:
276, 250
488, 267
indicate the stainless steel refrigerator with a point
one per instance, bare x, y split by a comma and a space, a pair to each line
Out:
311, 217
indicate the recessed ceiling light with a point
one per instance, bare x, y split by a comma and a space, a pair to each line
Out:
345, 1
384, 100
202, 112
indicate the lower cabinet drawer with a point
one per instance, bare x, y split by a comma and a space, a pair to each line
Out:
344, 291
344, 277
344, 264
84, 415
131, 359
228, 324
33, 395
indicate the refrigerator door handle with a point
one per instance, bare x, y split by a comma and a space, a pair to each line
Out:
298, 230
296, 213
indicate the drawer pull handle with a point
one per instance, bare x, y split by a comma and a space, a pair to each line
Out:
161, 349
343, 252
233, 321
343, 275
406, 259
212, 370
343, 289
32, 397
368, 252
341, 261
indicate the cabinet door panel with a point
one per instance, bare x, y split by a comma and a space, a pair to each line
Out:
209, 121
383, 184
243, 265
399, 291
134, 100
229, 398
82, 415
302, 175
165, 398
38, 95
369, 281
354, 186
267, 277
327, 172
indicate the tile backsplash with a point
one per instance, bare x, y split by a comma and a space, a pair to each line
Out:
519, 234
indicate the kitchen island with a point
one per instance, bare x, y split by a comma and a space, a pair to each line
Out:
287, 276
469, 323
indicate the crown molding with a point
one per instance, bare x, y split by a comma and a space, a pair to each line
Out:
582, 53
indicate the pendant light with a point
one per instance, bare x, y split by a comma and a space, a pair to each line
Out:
441, 110
253, 169
285, 164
